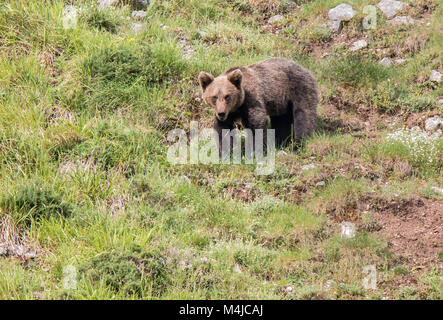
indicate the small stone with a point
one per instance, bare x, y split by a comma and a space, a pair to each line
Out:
391, 7
399, 61
281, 153
204, 259
357, 45
329, 284
386, 62
237, 269
103, 4
275, 18
30, 255
440, 102
136, 27
434, 123
400, 20
320, 183
342, 12
334, 25
437, 190
435, 76
139, 15
289, 289
308, 166
347, 230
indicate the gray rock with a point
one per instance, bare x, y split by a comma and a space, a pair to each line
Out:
357, 45
437, 190
391, 7
320, 183
139, 15
440, 102
386, 62
399, 61
308, 166
401, 20
334, 25
103, 4
342, 12
434, 123
435, 76
136, 27
275, 18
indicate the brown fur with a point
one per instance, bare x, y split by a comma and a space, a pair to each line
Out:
278, 88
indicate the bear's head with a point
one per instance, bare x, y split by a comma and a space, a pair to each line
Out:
224, 93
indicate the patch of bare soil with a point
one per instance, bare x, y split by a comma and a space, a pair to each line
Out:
414, 228
13, 244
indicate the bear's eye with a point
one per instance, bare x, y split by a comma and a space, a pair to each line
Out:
227, 98
214, 100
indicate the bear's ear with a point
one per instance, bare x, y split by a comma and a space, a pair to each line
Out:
205, 79
235, 77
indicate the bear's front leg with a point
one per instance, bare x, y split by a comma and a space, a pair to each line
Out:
257, 119
223, 129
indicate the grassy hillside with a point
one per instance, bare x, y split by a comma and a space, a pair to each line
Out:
87, 194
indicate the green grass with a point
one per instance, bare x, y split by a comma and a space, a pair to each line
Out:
84, 116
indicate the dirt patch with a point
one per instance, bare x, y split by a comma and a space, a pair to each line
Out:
414, 228
242, 192
14, 244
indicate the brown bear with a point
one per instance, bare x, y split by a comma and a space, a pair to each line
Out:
278, 88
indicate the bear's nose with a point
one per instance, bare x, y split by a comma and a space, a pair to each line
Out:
221, 115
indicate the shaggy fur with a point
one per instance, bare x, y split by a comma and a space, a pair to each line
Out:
278, 88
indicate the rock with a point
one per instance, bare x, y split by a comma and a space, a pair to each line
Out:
334, 25
434, 123
357, 45
3, 251
347, 229
342, 12
440, 102
139, 15
435, 76
329, 284
281, 153
391, 7
275, 19
400, 20
139, 4
103, 4
30, 255
136, 27
386, 62
308, 166
399, 61
289, 289
320, 183
437, 190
